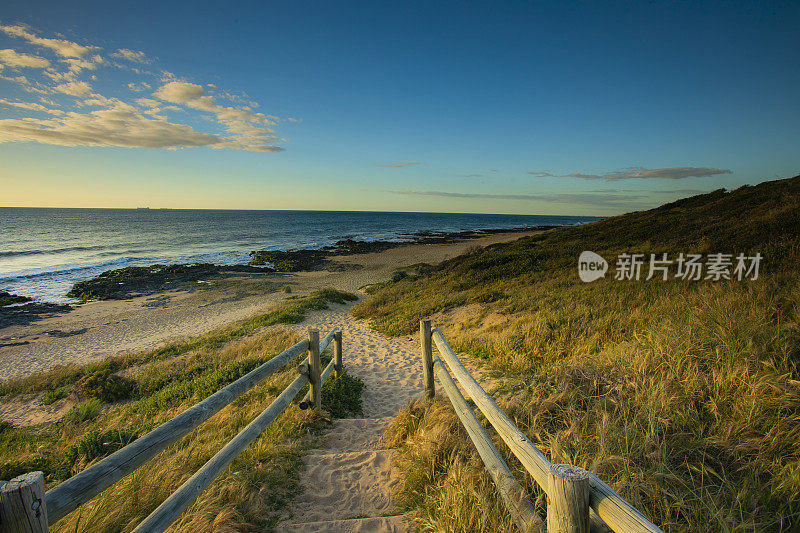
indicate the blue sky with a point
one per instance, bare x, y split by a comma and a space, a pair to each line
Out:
557, 108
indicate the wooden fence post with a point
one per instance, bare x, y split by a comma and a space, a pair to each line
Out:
314, 368
22, 505
427, 357
337, 352
568, 500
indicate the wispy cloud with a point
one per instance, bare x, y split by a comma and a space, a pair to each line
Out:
31, 106
671, 173
399, 165
120, 126
77, 113
61, 47
540, 173
595, 199
14, 59
134, 56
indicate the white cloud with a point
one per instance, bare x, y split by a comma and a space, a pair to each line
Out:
15, 59
106, 127
134, 56
68, 77
74, 88
31, 106
246, 130
61, 47
138, 86
180, 92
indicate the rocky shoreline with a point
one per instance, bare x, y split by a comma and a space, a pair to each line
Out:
320, 258
131, 282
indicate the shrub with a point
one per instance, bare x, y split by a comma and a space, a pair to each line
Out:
95, 444
105, 386
341, 396
397, 275
85, 411
53, 395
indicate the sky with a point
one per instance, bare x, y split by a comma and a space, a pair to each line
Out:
592, 108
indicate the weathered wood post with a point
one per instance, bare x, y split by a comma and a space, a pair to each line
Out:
314, 367
22, 506
568, 500
427, 357
337, 353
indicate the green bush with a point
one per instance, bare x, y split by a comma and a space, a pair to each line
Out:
105, 386
85, 411
397, 275
95, 444
53, 395
341, 396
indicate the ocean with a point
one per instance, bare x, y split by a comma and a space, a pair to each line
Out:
44, 251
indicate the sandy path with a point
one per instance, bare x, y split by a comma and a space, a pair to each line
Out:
347, 480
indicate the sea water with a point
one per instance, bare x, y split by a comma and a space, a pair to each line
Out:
44, 251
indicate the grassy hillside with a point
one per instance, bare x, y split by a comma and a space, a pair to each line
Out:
120, 399
684, 396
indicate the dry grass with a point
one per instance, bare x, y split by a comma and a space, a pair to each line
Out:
247, 496
685, 397
444, 483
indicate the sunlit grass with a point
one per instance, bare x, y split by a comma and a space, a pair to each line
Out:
248, 495
685, 397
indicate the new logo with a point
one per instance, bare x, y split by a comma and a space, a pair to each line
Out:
591, 266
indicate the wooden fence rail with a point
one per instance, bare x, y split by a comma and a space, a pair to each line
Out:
24, 506
607, 509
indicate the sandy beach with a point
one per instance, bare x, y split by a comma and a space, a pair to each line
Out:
102, 329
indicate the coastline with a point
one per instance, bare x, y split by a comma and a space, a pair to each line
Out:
108, 328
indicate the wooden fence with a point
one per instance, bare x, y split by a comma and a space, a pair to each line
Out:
26, 507
577, 500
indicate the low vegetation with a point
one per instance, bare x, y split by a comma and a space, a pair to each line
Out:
124, 398
341, 396
292, 310
683, 395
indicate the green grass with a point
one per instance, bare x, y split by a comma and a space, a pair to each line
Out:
85, 411
341, 396
158, 385
682, 395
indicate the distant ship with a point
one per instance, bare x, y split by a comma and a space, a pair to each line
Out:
140, 208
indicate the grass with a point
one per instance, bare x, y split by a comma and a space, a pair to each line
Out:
341, 396
249, 495
684, 396
443, 482
85, 411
